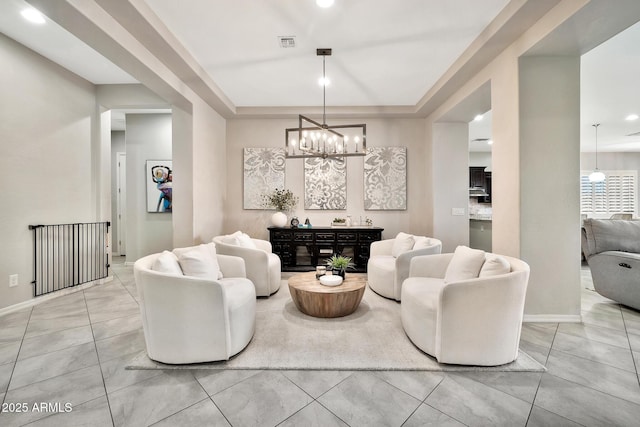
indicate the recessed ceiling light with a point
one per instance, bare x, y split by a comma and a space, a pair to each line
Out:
32, 15
324, 3
478, 118
490, 142
632, 117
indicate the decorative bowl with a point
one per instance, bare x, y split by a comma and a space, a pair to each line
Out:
330, 280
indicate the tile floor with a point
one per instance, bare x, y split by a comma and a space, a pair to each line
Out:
73, 350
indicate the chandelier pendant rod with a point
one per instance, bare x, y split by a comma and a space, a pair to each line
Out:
324, 92
596, 126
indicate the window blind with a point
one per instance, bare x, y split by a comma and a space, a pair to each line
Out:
616, 194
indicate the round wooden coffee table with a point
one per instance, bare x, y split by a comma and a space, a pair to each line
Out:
318, 300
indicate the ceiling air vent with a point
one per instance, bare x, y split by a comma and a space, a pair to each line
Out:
634, 134
480, 140
287, 41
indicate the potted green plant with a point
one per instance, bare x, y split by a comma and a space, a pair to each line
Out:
282, 200
339, 264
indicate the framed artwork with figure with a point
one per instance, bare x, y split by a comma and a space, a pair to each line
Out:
159, 179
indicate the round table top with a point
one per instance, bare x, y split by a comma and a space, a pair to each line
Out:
307, 282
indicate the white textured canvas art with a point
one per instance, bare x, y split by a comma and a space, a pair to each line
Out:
325, 183
263, 173
385, 178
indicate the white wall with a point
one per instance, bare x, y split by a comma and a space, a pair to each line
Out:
380, 132
210, 173
505, 168
148, 137
47, 119
610, 161
451, 178
549, 176
200, 165
183, 148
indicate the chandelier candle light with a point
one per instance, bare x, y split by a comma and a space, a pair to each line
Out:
313, 139
596, 175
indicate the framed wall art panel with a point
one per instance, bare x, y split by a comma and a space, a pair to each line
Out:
385, 178
264, 171
325, 184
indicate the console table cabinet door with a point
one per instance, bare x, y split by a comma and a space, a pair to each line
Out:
301, 249
303, 237
369, 237
348, 237
281, 236
325, 237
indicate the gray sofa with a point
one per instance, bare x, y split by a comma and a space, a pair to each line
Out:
612, 249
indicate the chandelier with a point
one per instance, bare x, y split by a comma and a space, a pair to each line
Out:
313, 139
596, 175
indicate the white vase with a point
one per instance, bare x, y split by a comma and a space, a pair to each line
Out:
279, 219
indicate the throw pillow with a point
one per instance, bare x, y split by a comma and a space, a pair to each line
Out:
245, 241
403, 243
239, 239
167, 262
421, 242
494, 265
211, 247
465, 264
198, 262
232, 239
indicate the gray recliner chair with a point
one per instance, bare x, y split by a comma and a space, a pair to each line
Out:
612, 250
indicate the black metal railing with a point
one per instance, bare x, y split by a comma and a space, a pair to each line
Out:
67, 255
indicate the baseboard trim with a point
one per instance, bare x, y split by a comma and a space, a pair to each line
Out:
552, 318
56, 294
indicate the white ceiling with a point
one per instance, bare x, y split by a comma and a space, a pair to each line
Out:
55, 43
610, 91
390, 54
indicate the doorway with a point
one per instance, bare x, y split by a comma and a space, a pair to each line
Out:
121, 202
480, 188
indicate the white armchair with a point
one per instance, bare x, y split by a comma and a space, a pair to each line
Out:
387, 270
263, 266
473, 321
191, 319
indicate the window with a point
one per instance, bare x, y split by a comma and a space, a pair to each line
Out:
616, 194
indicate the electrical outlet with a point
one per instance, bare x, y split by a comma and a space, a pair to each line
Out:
13, 280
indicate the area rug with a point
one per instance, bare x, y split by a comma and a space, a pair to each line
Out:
371, 338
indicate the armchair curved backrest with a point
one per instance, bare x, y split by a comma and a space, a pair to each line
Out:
188, 319
625, 216
612, 250
263, 266
471, 322
386, 273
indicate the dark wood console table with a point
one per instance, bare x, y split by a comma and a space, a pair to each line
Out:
302, 249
